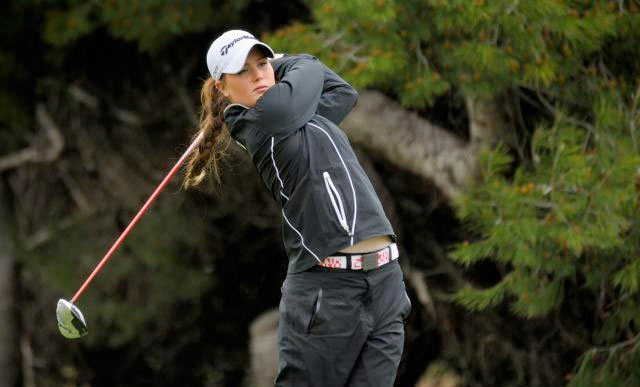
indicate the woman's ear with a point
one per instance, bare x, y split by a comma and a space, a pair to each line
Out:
221, 87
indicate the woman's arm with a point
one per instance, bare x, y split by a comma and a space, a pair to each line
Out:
305, 87
294, 99
338, 97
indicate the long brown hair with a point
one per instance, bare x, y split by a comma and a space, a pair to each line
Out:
205, 159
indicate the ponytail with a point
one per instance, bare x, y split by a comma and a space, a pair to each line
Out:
205, 159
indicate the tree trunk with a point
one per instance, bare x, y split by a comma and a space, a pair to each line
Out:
9, 343
410, 142
263, 349
491, 120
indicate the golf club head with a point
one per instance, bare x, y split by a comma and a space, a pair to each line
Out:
70, 320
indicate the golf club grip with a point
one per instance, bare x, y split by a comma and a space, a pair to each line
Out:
138, 216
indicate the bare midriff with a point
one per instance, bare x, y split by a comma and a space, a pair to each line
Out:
368, 245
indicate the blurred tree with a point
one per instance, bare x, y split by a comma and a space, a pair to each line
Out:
151, 24
97, 98
541, 104
9, 332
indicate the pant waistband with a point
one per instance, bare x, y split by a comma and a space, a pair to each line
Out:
365, 262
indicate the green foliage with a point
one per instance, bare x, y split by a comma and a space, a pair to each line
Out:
571, 219
419, 49
570, 216
481, 299
147, 280
627, 278
151, 23
611, 367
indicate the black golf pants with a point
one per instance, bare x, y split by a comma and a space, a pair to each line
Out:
342, 328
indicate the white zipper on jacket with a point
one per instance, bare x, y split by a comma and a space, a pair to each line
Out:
337, 207
353, 190
277, 173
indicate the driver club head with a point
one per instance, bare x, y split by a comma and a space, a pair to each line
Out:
70, 320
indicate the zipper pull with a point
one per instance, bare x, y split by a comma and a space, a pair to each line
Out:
345, 226
339, 210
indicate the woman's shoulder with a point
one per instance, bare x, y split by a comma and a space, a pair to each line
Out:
284, 62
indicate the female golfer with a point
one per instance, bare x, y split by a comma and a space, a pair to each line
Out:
343, 301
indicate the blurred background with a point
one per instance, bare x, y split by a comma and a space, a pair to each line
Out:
502, 136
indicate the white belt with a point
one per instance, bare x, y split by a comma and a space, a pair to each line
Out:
368, 261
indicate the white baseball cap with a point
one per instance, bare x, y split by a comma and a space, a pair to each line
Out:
229, 51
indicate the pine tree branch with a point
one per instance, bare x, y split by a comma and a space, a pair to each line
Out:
82, 96
44, 235
332, 39
635, 340
78, 196
186, 103
421, 58
125, 116
554, 111
35, 153
178, 83
635, 116
621, 6
419, 283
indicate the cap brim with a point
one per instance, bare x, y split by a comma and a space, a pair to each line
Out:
240, 57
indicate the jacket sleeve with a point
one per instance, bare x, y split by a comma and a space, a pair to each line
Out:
338, 97
293, 100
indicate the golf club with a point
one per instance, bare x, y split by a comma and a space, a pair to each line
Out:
71, 322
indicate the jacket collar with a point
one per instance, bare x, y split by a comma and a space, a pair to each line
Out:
233, 105
232, 113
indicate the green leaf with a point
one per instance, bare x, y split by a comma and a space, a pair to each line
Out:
475, 299
628, 278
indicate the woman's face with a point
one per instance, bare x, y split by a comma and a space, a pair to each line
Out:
255, 78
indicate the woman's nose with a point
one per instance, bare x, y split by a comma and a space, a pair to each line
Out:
258, 74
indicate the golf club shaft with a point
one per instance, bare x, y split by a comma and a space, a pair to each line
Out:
139, 215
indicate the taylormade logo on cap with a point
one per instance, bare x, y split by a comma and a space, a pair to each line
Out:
226, 48
229, 51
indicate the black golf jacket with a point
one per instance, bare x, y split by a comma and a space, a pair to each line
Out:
306, 161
